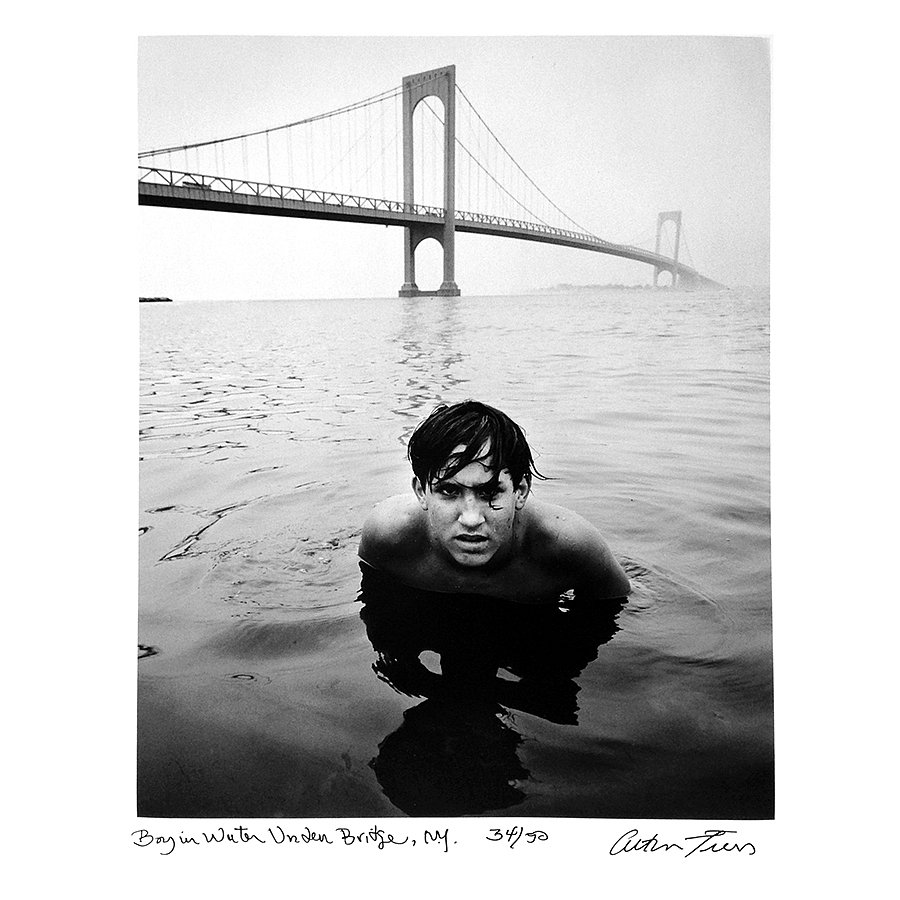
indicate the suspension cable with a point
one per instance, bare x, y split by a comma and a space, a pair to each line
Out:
488, 173
494, 136
384, 95
687, 249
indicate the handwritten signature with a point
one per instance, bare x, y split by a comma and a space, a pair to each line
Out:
631, 842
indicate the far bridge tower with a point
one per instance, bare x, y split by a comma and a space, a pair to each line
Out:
661, 220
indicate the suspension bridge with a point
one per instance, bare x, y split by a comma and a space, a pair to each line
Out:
397, 158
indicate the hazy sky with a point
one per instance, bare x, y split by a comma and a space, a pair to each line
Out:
613, 129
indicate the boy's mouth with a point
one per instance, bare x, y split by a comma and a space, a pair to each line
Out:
471, 539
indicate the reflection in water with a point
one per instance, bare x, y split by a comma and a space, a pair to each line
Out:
450, 758
428, 336
455, 754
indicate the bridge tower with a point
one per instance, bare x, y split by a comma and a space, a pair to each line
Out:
661, 220
440, 83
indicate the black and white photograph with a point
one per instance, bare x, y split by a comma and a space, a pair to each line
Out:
454, 429
506, 423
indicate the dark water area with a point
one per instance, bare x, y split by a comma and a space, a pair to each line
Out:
275, 680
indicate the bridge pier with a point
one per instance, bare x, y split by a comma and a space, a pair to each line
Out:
440, 83
677, 280
413, 235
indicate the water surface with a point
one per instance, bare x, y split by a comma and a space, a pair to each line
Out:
269, 685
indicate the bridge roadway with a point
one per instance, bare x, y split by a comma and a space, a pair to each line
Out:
183, 190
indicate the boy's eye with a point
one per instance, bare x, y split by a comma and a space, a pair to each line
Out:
451, 490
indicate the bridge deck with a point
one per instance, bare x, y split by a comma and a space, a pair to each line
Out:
186, 191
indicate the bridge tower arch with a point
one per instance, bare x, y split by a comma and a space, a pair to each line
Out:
440, 83
661, 219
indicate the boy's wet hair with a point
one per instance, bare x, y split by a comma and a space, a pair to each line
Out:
477, 427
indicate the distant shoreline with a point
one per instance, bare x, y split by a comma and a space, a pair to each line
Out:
595, 287
649, 288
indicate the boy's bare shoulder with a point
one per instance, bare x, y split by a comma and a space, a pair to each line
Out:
557, 529
394, 528
561, 537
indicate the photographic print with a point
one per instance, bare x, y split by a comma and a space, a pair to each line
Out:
454, 428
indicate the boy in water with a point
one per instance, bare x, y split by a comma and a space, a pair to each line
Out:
470, 528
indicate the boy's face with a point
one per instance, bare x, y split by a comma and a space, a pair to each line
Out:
470, 517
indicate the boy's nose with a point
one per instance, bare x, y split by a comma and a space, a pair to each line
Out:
471, 515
